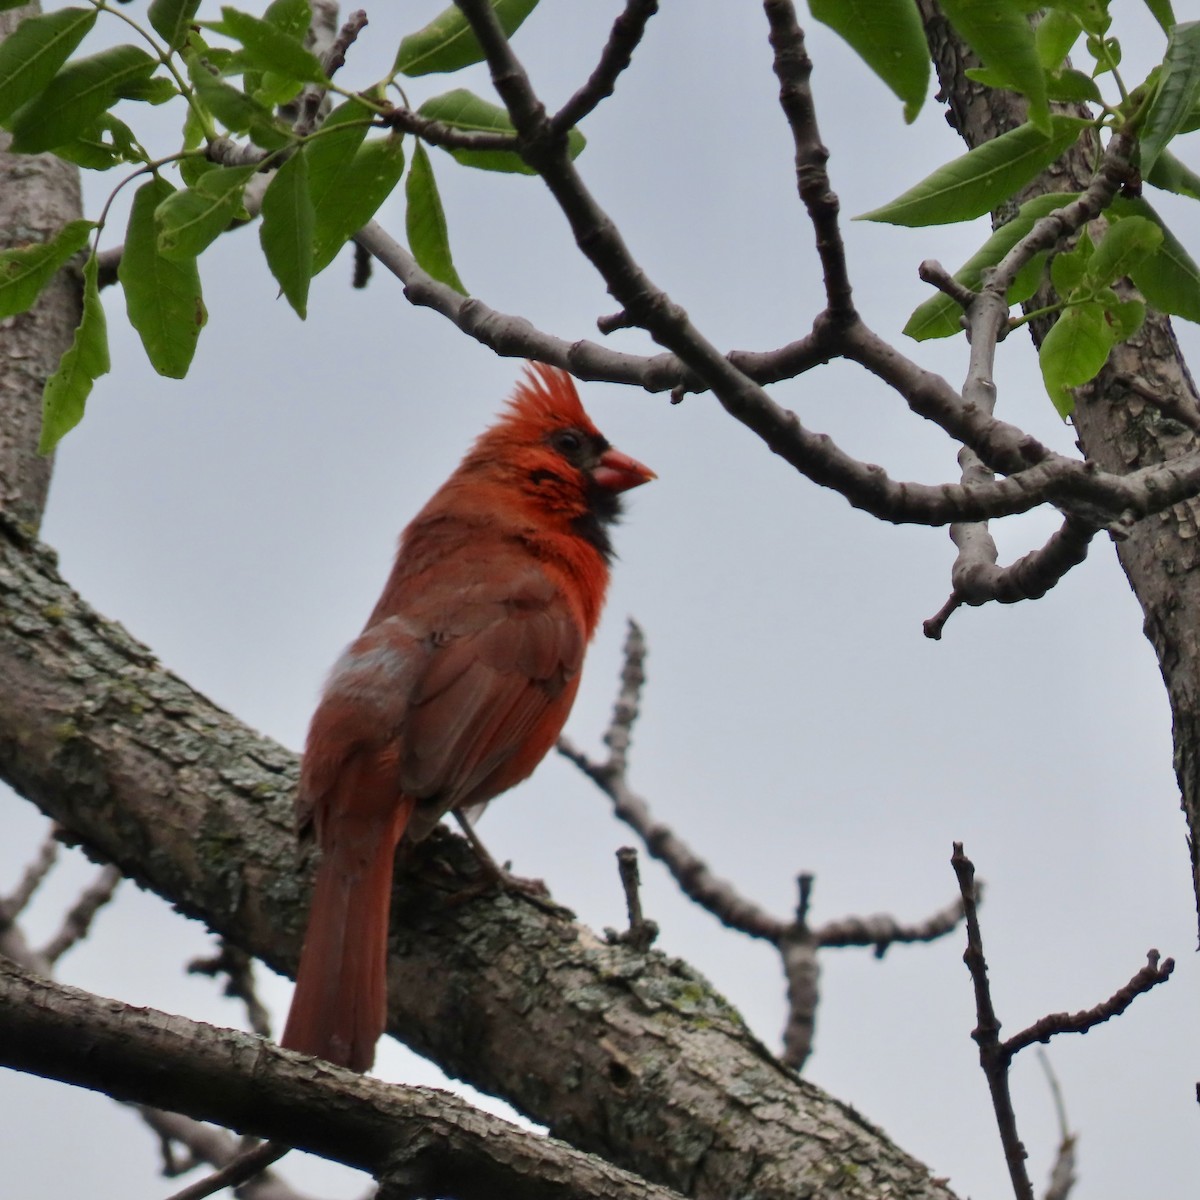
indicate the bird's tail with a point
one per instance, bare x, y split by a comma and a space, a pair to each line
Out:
339, 1008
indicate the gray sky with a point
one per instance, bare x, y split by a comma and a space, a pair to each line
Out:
241, 524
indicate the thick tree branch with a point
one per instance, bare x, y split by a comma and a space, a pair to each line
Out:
187, 801
419, 1141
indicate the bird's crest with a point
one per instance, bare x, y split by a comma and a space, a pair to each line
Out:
547, 397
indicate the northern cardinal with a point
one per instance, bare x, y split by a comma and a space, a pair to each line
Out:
457, 687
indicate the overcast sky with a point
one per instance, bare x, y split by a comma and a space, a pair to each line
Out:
241, 524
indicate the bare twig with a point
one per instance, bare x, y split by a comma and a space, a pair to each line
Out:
977, 579
1062, 1173
617, 54
239, 1170
641, 933
987, 1031
79, 918
208, 1144
238, 968
881, 931
795, 940
692, 874
1150, 976
12, 905
793, 69
995, 1056
802, 970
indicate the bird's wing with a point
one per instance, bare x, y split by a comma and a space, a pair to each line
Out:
494, 692
461, 697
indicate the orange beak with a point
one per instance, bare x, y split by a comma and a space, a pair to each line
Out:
618, 472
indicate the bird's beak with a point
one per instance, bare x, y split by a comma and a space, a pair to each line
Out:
618, 472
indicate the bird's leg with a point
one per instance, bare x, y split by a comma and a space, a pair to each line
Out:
496, 876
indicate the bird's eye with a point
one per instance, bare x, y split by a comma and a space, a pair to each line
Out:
568, 442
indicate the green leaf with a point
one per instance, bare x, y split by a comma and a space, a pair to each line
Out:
1171, 175
1073, 87
188, 221
81, 365
25, 271
1054, 36
31, 56
982, 179
1125, 244
102, 146
462, 109
1091, 14
287, 231
156, 90
1073, 352
1000, 33
370, 179
162, 295
939, 316
333, 182
270, 48
331, 150
1067, 272
1162, 12
1169, 279
447, 43
172, 20
1177, 94
425, 219
235, 110
291, 17
76, 96
889, 37
1125, 318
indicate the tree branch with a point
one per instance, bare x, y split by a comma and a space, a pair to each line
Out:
96, 733
627, 32
420, 1141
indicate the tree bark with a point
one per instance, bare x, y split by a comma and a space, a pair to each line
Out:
418, 1141
39, 194
1121, 430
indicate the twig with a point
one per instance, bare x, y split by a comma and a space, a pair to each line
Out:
641, 933
992, 1058
882, 931
627, 32
12, 905
692, 874
995, 1056
208, 1144
241, 1169
238, 968
933, 273
793, 69
802, 970
1150, 976
796, 942
79, 918
438, 133
977, 579
1062, 1173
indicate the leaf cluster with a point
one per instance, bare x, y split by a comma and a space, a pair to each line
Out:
265, 133
1064, 104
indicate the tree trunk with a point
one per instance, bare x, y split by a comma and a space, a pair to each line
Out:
39, 194
1120, 430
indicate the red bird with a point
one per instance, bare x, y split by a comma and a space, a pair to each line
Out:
456, 689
